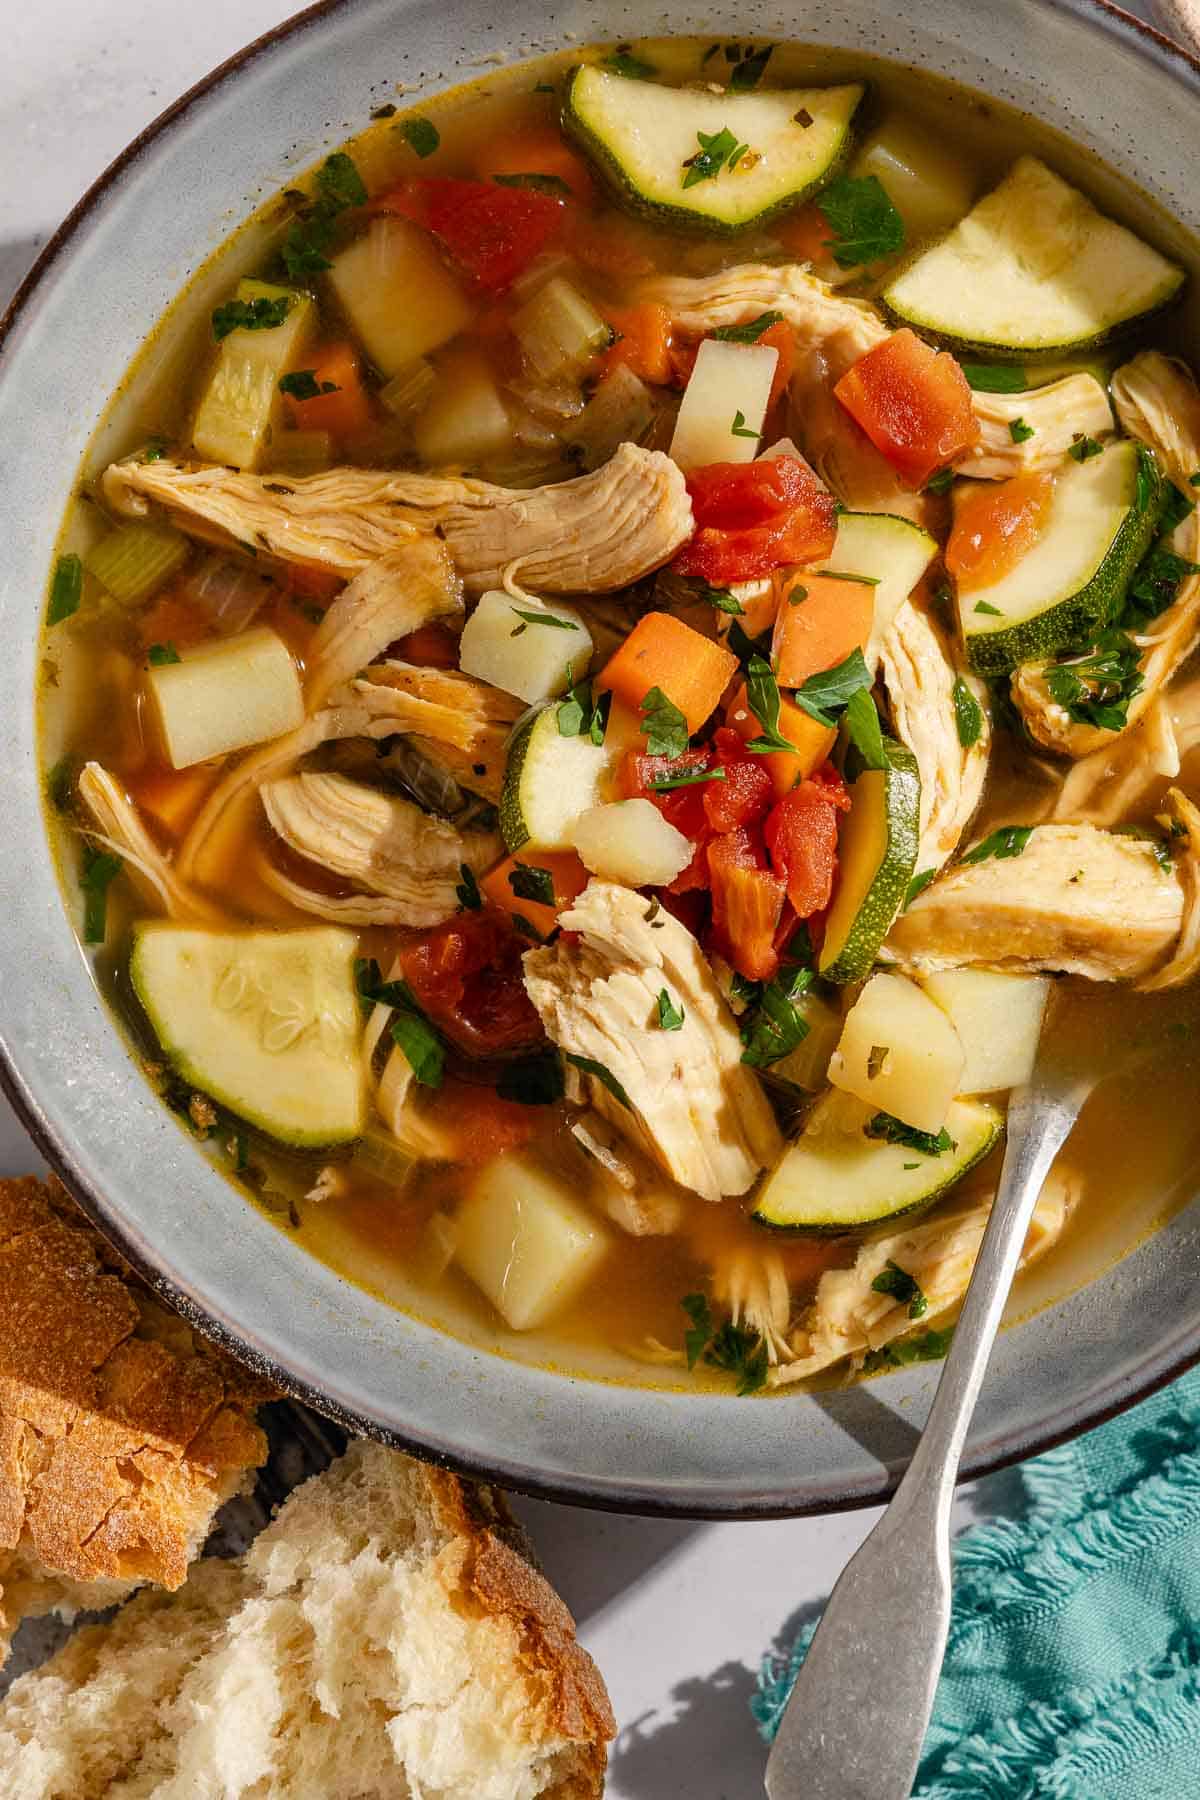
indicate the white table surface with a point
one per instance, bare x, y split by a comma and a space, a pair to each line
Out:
676, 1615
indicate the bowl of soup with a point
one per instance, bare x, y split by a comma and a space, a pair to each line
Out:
598, 632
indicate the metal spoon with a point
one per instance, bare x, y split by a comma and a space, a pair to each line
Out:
856, 1720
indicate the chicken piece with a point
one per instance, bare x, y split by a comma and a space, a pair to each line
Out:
1111, 783
1076, 899
461, 723
754, 1285
921, 680
845, 329
836, 445
380, 842
1182, 820
626, 1187
848, 1318
1056, 415
1184, 706
120, 829
403, 590
1157, 400
694, 1106
592, 535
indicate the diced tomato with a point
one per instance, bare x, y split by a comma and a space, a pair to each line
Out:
491, 232
801, 836
994, 527
467, 976
694, 877
744, 796
346, 410
914, 404
430, 646
754, 517
782, 339
643, 341
747, 902
682, 807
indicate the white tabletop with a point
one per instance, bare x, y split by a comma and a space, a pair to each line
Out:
676, 1615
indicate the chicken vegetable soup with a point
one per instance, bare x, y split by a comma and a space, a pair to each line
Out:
624, 642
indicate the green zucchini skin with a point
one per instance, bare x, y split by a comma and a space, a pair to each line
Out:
548, 781
885, 892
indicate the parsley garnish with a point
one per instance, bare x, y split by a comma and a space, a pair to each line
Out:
662, 784
155, 450
60, 784
833, 688
700, 1313
605, 1077
580, 715
259, 314
718, 150
994, 378
1162, 854
985, 606
1084, 447
864, 222
776, 1026
744, 647
1006, 842
539, 618
1179, 506
1156, 583
797, 595
739, 1352
159, 655
66, 589
1019, 431
469, 897
846, 575
762, 697
723, 600
940, 483
877, 1057
866, 733
623, 62
528, 882
931, 1346
750, 332
968, 714
1095, 689
670, 1016
739, 428
1194, 478
918, 884
421, 135
747, 73
410, 1029
895, 1131
339, 185
98, 869
534, 1081
1148, 486
302, 384
537, 182
664, 725
899, 1285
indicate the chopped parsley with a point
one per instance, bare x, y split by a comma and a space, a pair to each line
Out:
670, 1016
750, 332
741, 1353
155, 450
1095, 689
918, 884
1083, 448
1178, 507
748, 72
533, 1081
339, 185
469, 897
1009, 840
1162, 853
528, 617
797, 595
581, 714
864, 222
159, 655
899, 1285
97, 871
776, 1026
259, 314
1194, 478
985, 606
421, 135
877, 1057
624, 62
994, 378
941, 483
846, 575
1156, 583
931, 1346
663, 784
718, 150
664, 725
866, 733
744, 646
722, 600
538, 182
968, 714
589, 1066
1019, 431
66, 589
302, 384
762, 697
895, 1131
409, 1028
700, 1313
60, 784
529, 882
739, 428
832, 688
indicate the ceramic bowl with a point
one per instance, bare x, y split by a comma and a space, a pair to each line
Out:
1122, 94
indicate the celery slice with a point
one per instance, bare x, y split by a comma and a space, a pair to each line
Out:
134, 561
407, 393
559, 330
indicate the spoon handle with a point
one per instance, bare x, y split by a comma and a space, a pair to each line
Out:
856, 1720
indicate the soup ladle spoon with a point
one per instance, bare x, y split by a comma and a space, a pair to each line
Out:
856, 1720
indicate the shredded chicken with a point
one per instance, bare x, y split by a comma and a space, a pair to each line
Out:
1184, 705
382, 843
627, 1187
921, 680
120, 828
848, 1317
1056, 415
386, 600
694, 1106
463, 724
755, 1287
1182, 820
846, 329
1077, 900
837, 447
1157, 400
1111, 783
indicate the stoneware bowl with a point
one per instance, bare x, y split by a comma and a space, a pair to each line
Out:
1121, 93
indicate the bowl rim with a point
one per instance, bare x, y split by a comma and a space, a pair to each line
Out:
1143, 40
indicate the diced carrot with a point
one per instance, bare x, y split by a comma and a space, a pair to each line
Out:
644, 343
173, 798
821, 621
347, 409
535, 151
662, 652
995, 525
479, 1121
804, 233
175, 618
747, 901
813, 742
914, 404
782, 339
430, 646
566, 872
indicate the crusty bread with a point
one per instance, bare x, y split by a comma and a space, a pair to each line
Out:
386, 1638
121, 1430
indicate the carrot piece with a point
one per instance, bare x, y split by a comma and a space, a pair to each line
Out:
173, 798
662, 652
535, 152
820, 621
782, 339
566, 872
804, 234
994, 527
479, 1122
430, 646
786, 767
347, 410
644, 344
913, 402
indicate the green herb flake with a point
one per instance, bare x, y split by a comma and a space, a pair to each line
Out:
895, 1131
533, 1081
259, 314
1179, 506
846, 575
339, 182
1083, 448
941, 483
1019, 431
339, 185
877, 1057
589, 1066
722, 600
670, 1016
739, 428
775, 1025
718, 150
745, 647
302, 384
469, 896
154, 450
762, 697
899, 1285
422, 1048
968, 714
98, 869
931, 1346
700, 1313
797, 595
1096, 688
750, 332
1156, 583
664, 725
158, 656
663, 784
994, 378
918, 884
820, 694
746, 74
1194, 478
1008, 841
66, 589
581, 714
539, 618
528, 882
60, 784
866, 732
421, 135
633, 68
536, 182
985, 606
742, 1354
1143, 834
864, 222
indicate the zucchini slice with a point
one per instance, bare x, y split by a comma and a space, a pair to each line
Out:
877, 853
892, 551
1103, 515
832, 1180
548, 781
644, 136
1032, 270
266, 1022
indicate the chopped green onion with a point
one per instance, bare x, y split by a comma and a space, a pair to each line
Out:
66, 589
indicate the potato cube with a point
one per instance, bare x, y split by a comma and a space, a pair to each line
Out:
630, 841
531, 648
998, 1018
398, 294
226, 694
899, 1053
526, 1241
724, 404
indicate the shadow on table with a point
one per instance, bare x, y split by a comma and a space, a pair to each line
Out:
592, 1557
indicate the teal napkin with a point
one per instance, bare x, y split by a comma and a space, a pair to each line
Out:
1073, 1667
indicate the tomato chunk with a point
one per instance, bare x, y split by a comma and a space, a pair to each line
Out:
747, 903
744, 796
491, 232
801, 836
914, 404
480, 1122
996, 526
755, 517
467, 976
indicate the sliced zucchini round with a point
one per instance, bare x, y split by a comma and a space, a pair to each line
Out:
265, 1022
548, 781
831, 1180
647, 137
877, 853
1032, 270
1072, 581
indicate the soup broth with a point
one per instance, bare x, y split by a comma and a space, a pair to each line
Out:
512, 288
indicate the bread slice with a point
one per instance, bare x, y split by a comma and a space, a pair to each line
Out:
121, 1430
386, 1638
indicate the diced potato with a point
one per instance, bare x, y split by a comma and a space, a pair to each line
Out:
465, 420
225, 695
930, 187
399, 296
630, 841
998, 1018
899, 1053
241, 407
807, 1066
505, 643
727, 380
525, 1240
